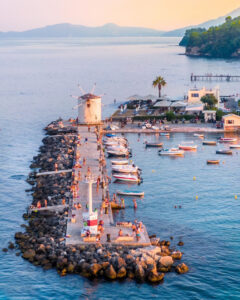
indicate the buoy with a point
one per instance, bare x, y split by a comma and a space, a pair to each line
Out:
194, 177
196, 197
153, 171
235, 197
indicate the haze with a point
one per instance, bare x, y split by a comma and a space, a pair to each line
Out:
159, 14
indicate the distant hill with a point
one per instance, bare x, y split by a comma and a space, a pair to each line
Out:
69, 30
215, 22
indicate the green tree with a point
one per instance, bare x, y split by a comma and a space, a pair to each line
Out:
219, 114
159, 82
170, 116
209, 101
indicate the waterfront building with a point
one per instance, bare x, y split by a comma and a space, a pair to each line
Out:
231, 122
195, 94
89, 109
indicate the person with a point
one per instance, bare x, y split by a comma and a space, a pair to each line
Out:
86, 140
122, 202
134, 228
84, 161
88, 172
56, 166
79, 205
120, 233
138, 236
87, 233
39, 204
63, 201
45, 203
134, 203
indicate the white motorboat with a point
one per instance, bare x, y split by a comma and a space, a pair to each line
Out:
119, 162
116, 148
130, 193
127, 177
118, 153
171, 152
125, 169
187, 146
227, 140
198, 135
234, 146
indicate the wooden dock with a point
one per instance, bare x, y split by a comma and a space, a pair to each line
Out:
212, 77
90, 152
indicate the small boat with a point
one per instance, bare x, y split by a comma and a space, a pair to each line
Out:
154, 144
171, 152
198, 135
186, 147
164, 134
127, 177
227, 140
234, 146
119, 162
210, 143
115, 205
222, 151
213, 162
110, 135
125, 169
130, 193
117, 153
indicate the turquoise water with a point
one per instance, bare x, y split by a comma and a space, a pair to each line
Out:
36, 81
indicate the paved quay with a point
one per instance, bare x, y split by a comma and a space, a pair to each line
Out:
87, 149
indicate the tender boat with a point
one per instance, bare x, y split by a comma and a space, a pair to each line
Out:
171, 152
210, 143
119, 162
227, 140
127, 177
222, 151
154, 144
186, 147
234, 146
164, 134
125, 169
213, 162
198, 135
130, 193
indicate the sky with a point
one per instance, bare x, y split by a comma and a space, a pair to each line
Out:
159, 14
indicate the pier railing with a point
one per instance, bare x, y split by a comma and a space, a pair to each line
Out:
212, 77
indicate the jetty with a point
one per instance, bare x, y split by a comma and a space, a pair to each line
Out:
212, 77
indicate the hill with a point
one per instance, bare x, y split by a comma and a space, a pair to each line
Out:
219, 42
69, 30
215, 22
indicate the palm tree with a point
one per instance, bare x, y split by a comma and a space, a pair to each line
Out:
159, 82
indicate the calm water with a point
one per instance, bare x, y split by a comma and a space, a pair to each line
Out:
36, 79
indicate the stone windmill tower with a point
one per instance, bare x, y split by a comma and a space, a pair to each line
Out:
89, 108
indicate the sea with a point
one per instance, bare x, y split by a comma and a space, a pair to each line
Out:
185, 198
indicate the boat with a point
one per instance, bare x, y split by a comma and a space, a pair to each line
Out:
234, 146
164, 134
210, 143
227, 140
222, 151
213, 162
119, 162
110, 135
117, 153
171, 152
125, 169
116, 148
127, 177
130, 193
186, 147
115, 205
154, 144
198, 135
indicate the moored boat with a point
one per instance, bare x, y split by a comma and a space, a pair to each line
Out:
117, 153
234, 146
187, 147
198, 135
127, 177
130, 193
227, 140
223, 151
119, 162
164, 134
171, 152
154, 144
213, 162
125, 169
210, 143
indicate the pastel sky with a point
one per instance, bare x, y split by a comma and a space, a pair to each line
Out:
159, 14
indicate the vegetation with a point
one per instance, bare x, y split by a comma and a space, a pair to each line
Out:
219, 41
188, 33
170, 116
210, 102
159, 82
219, 114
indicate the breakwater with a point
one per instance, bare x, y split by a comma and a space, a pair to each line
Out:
44, 242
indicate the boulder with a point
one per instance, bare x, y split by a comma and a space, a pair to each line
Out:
182, 268
70, 268
180, 243
121, 272
139, 272
166, 261
177, 255
154, 276
29, 254
110, 273
94, 269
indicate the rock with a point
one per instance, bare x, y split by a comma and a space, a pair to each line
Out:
104, 265
180, 243
182, 268
139, 273
48, 266
29, 254
70, 268
11, 245
5, 249
166, 261
110, 273
154, 277
177, 255
85, 270
94, 269
121, 272
130, 274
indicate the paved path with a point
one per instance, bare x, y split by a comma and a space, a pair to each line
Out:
53, 172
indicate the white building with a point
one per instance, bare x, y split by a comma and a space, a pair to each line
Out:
195, 95
89, 109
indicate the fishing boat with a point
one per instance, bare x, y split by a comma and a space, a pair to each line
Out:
154, 144
222, 151
234, 146
171, 152
213, 162
164, 134
210, 143
187, 147
119, 162
125, 169
198, 135
127, 177
227, 140
130, 193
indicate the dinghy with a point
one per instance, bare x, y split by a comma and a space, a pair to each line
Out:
186, 147
198, 135
119, 162
154, 144
171, 152
130, 193
164, 134
213, 162
222, 151
210, 143
234, 146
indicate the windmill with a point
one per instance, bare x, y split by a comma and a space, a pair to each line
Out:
89, 107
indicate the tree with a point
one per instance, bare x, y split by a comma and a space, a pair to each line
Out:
159, 82
210, 101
